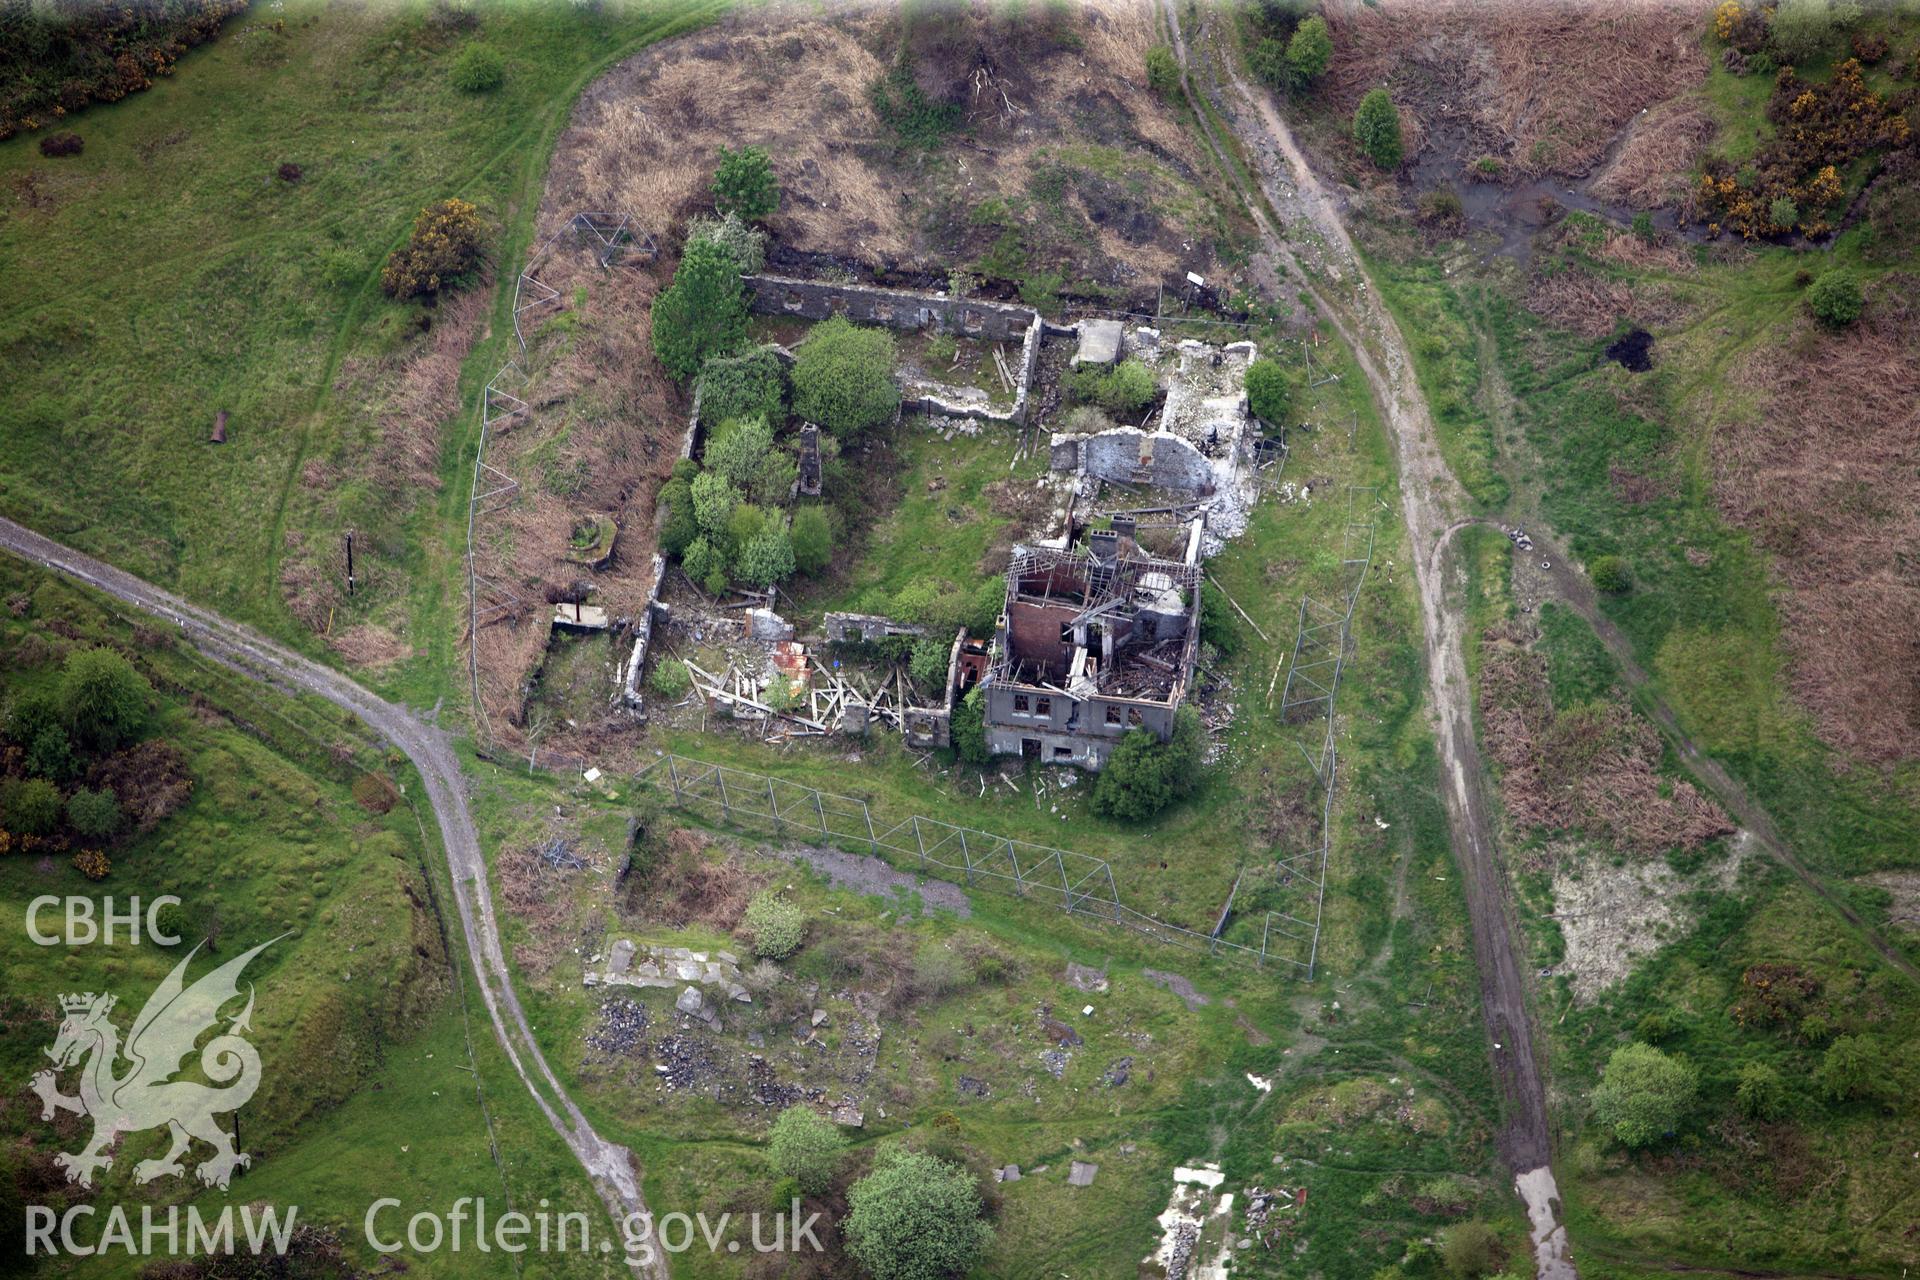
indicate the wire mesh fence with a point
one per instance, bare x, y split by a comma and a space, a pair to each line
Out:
1077, 883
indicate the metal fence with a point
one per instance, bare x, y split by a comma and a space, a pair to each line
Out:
1077, 883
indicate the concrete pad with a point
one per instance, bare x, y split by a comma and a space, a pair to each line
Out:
1099, 342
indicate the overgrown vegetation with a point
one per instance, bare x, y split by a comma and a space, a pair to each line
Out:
443, 252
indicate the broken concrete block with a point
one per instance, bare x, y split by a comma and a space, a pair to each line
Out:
1081, 1174
819, 1017
1099, 342
692, 1002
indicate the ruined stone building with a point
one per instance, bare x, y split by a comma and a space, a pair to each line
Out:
1091, 644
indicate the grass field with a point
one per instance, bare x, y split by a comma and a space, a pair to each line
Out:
247, 293
376, 1078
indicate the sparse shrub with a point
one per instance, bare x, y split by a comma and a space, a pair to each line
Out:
969, 729
150, 780
916, 120
443, 252
928, 663
92, 864
1610, 574
1269, 392
942, 350
1442, 207
939, 970
478, 68
916, 1217
749, 385
774, 923
94, 814
812, 538
1761, 1093
1835, 299
670, 679
767, 557
746, 245
1855, 1069
105, 699
1124, 390
1653, 1027
29, 806
1086, 420
1643, 227
1488, 168
1376, 128
1268, 62
1783, 213
1218, 626
703, 313
51, 755
1144, 775
678, 528
806, 1147
1469, 1250
843, 378
1163, 71
1644, 1095
744, 185
1802, 30
291, 172
55, 145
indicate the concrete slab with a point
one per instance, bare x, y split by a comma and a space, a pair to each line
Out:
1099, 342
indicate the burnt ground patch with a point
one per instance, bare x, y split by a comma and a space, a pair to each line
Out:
1633, 351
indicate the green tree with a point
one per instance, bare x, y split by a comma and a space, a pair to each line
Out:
970, 728
702, 313
51, 755
1835, 299
749, 385
916, 1217
768, 558
1801, 30
105, 699
1376, 127
806, 1147
94, 814
1783, 213
703, 561
746, 245
745, 524
1269, 392
1644, 1095
812, 537
1856, 1069
479, 68
744, 185
1163, 71
843, 378
1309, 51
714, 502
1143, 775
928, 664
743, 452
29, 806
1761, 1093
776, 925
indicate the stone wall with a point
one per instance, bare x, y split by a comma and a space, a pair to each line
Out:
895, 308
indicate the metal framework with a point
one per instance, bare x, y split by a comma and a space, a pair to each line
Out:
1077, 883
1320, 653
611, 239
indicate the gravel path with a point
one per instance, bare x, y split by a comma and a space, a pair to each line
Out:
609, 1166
1308, 232
864, 873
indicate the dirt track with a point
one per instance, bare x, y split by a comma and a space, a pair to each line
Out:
1303, 229
609, 1166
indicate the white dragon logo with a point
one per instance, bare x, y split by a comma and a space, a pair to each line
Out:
145, 1097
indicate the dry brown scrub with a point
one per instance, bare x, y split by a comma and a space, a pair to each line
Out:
1543, 87
601, 433
796, 80
1590, 769
1826, 474
1655, 162
1591, 306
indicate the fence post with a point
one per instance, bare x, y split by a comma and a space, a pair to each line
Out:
773, 808
873, 843
720, 780
820, 812
673, 776
919, 843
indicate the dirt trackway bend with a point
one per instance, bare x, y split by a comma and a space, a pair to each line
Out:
1316, 240
608, 1165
